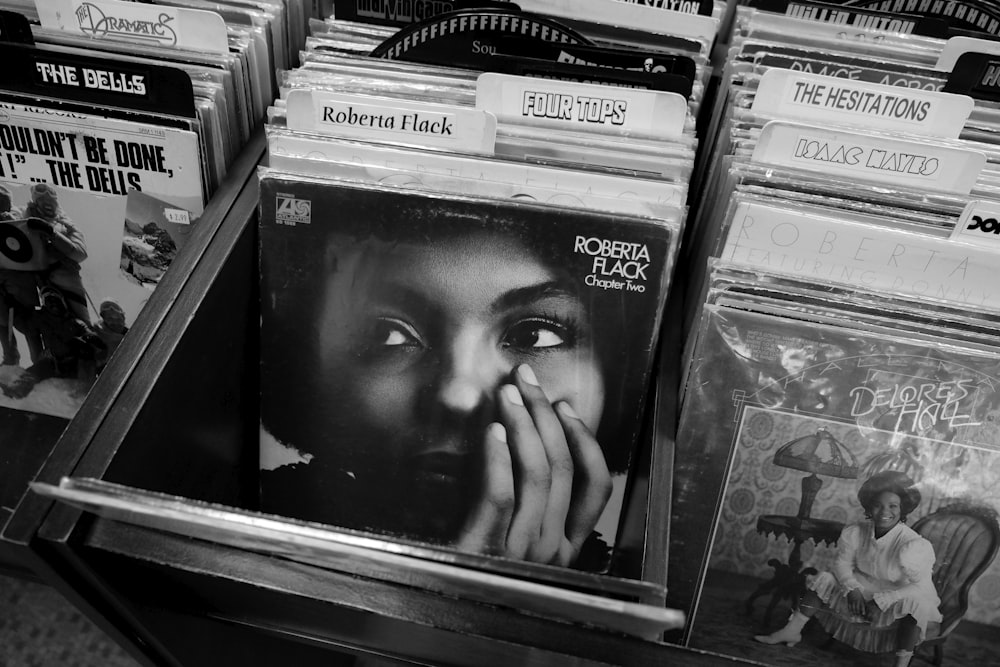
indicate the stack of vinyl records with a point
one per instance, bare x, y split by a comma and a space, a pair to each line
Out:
120, 120
468, 230
841, 321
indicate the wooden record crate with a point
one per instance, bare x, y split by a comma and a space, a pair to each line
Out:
176, 411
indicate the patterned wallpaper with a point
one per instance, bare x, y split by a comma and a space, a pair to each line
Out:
757, 486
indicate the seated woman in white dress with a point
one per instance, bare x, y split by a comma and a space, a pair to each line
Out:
880, 595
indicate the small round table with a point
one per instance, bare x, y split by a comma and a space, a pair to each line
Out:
789, 579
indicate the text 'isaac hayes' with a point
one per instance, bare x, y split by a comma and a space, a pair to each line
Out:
95, 79
865, 157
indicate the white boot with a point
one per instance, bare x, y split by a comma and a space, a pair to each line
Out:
790, 635
903, 658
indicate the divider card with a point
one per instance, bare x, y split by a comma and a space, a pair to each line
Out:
979, 225
665, 67
391, 120
815, 98
829, 249
960, 15
102, 82
633, 16
582, 107
869, 158
847, 67
976, 75
14, 27
137, 22
702, 7
956, 47
843, 16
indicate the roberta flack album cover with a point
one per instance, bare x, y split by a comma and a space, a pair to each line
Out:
462, 372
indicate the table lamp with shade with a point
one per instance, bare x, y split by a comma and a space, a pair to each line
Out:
818, 453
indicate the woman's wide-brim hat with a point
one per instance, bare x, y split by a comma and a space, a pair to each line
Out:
890, 480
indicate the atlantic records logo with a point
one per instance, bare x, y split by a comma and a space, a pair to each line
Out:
291, 211
94, 22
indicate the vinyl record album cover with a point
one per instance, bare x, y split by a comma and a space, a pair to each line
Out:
70, 191
463, 372
782, 424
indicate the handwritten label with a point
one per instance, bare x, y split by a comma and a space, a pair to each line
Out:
869, 158
178, 216
581, 106
859, 253
392, 120
822, 99
979, 224
956, 46
136, 22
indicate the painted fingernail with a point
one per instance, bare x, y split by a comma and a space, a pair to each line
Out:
567, 409
528, 375
511, 393
497, 431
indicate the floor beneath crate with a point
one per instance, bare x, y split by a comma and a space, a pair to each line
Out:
721, 625
40, 628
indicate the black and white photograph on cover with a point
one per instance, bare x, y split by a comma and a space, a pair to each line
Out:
850, 545
460, 372
65, 307
155, 231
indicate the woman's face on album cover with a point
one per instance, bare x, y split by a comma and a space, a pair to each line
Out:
885, 511
416, 339
433, 330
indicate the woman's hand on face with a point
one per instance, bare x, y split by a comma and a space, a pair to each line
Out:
856, 603
545, 481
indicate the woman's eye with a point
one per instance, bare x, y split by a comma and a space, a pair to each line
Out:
395, 337
395, 333
536, 334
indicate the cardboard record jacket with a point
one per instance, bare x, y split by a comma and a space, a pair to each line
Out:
374, 419
760, 380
